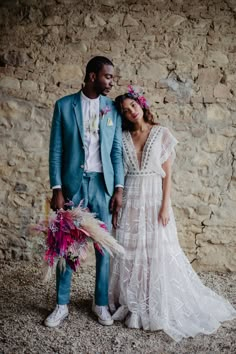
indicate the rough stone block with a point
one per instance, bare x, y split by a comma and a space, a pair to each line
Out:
68, 72
152, 71
54, 21
218, 58
93, 21
29, 85
209, 76
214, 143
33, 141
217, 114
129, 21
174, 21
213, 257
222, 91
9, 83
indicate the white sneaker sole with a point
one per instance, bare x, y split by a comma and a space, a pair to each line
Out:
105, 322
102, 322
55, 324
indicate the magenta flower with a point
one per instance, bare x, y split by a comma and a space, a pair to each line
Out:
104, 111
137, 95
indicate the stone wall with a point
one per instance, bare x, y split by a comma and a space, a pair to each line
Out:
182, 52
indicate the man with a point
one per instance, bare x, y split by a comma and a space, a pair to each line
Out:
85, 163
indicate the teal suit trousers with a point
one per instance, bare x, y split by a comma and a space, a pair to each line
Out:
94, 196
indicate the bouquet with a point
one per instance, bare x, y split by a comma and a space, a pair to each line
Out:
67, 237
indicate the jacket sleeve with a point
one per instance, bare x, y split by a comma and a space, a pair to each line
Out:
55, 148
116, 154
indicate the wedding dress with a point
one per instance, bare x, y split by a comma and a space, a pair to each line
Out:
153, 286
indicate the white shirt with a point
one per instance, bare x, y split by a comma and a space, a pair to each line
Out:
90, 113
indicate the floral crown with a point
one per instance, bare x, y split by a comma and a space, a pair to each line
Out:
136, 93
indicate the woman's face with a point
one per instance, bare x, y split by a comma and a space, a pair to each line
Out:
132, 110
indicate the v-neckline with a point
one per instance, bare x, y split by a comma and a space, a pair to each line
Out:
139, 167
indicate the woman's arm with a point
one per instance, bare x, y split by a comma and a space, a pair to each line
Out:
117, 161
163, 216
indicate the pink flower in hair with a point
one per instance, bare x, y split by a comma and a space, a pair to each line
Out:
137, 94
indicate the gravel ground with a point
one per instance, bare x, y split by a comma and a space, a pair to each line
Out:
25, 301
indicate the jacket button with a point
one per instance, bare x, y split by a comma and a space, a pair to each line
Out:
81, 166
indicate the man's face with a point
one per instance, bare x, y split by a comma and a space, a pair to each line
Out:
103, 82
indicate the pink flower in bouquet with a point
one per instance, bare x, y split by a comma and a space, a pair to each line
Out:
68, 234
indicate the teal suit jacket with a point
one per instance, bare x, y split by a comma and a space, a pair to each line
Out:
66, 152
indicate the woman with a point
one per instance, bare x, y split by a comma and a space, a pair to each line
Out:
154, 286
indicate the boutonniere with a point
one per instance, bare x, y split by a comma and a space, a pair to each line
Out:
104, 111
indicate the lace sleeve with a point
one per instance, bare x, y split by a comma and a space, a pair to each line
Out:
167, 146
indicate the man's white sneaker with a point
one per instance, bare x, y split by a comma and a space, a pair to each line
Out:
57, 316
104, 316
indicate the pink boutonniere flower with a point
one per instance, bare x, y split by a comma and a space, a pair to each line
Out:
104, 111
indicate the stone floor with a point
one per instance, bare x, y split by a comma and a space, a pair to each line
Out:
25, 301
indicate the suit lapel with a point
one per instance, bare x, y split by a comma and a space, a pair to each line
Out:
78, 114
102, 105
103, 119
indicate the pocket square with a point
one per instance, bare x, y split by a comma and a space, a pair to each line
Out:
109, 122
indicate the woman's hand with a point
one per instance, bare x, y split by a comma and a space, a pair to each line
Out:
163, 216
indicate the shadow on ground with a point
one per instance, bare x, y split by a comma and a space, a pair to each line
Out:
25, 301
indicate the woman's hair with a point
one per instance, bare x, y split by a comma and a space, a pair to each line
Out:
95, 65
126, 124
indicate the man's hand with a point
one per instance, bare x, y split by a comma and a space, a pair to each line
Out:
57, 201
115, 204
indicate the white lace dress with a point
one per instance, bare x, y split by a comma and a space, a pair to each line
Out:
154, 286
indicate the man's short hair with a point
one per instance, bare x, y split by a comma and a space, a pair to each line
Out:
95, 65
